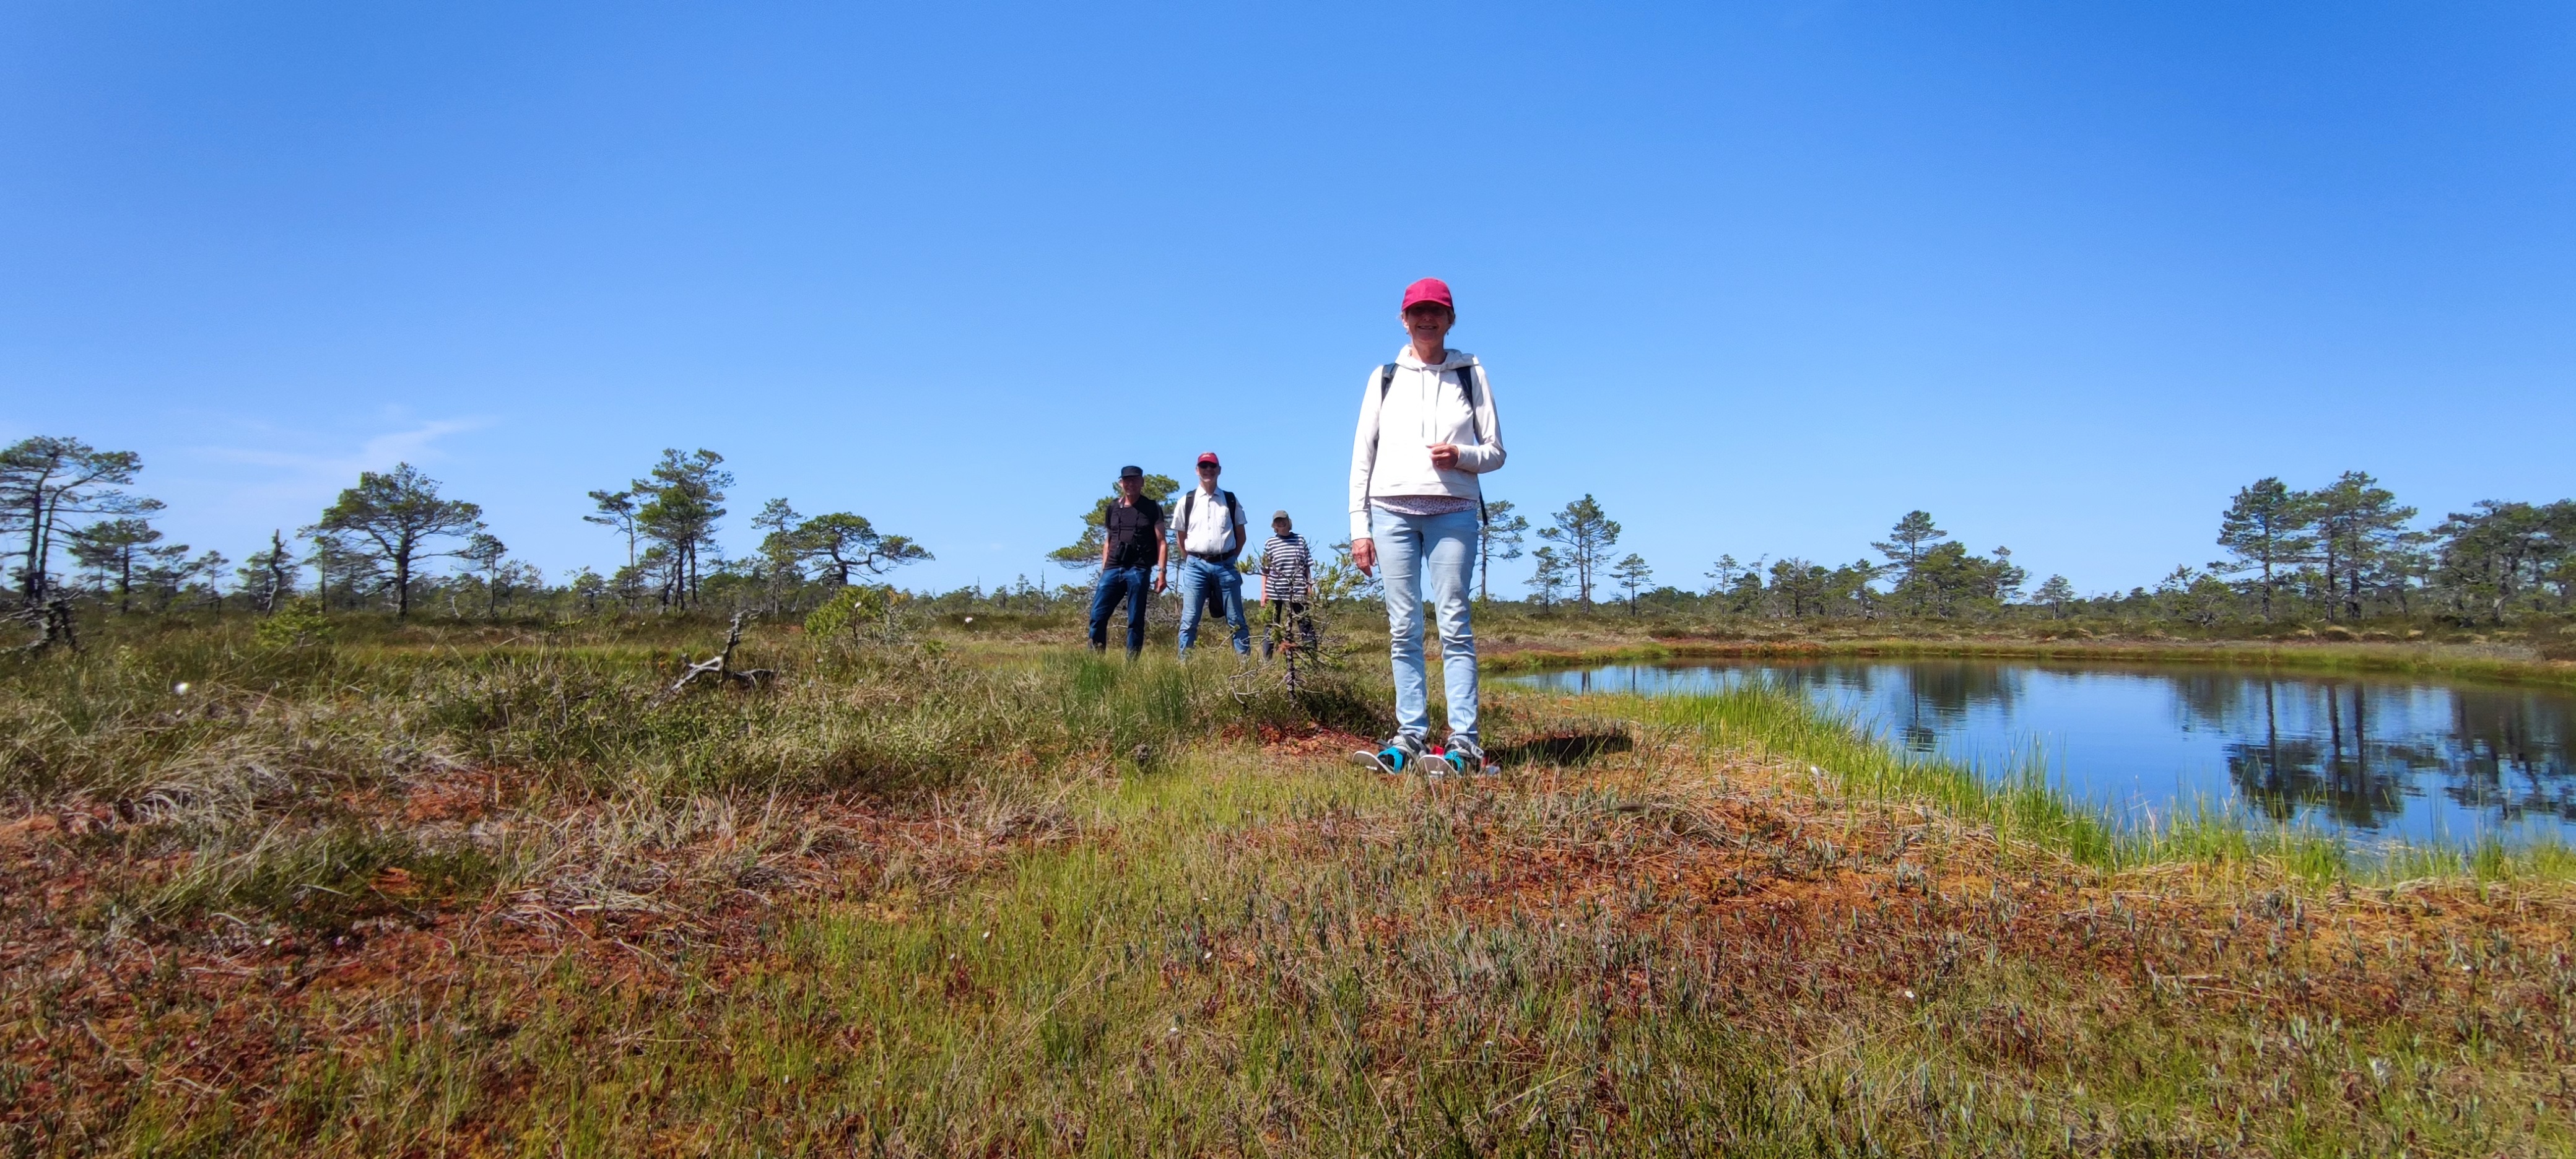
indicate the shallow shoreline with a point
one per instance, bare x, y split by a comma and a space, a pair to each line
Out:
2406, 659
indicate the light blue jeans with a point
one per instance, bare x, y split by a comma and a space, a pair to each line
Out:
1202, 578
1431, 556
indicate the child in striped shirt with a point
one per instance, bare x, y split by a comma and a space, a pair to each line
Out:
1287, 583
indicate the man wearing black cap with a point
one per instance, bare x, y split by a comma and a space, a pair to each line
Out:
1132, 555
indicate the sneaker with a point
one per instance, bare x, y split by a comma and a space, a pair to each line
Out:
1394, 756
1469, 760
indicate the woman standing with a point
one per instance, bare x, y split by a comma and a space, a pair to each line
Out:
1427, 430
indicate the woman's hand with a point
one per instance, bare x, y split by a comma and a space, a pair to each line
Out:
1364, 555
1444, 456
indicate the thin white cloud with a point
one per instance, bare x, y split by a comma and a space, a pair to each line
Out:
302, 477
377, 453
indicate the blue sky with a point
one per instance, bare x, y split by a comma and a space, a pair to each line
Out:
1762, 277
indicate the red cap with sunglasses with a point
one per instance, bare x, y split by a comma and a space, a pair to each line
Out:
1209, 460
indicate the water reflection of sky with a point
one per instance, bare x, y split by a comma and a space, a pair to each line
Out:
2379, 757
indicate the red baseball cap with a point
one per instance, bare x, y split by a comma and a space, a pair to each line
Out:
1428, 290
1209, 460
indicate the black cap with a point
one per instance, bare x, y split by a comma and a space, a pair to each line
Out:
1131, 472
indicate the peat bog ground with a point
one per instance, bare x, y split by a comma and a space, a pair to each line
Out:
451, 890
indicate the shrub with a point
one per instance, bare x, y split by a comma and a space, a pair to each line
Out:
299, 623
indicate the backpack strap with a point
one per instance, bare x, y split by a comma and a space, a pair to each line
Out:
1467, 388
1475, 430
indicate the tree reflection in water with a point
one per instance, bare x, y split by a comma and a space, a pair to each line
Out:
1918, 703
2382, 755
2357, 749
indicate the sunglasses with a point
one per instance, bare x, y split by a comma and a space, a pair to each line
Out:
1207, 466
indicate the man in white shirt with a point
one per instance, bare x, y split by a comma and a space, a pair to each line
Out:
1209, 524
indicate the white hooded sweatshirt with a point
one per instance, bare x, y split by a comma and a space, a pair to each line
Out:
1391, 455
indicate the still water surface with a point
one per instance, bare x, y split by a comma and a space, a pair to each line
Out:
2373, 757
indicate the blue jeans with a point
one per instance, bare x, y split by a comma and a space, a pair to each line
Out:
1132, 584
1431, 556
1199, 575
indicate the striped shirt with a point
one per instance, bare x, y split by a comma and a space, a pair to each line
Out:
1285, 568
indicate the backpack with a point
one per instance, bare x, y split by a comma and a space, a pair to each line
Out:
1233, 507
1467, 387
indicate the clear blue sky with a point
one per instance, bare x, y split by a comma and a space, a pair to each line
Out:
1762, 277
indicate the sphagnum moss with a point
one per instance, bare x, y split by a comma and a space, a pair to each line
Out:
918, 903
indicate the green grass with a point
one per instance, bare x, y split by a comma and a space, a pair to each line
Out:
499, 894
1546, 652
1239, 961
270, 783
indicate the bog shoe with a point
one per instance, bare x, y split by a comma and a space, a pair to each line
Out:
1465, 758
1394, 756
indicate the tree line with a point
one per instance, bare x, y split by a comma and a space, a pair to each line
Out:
2349, 550
2342, 552
374, 547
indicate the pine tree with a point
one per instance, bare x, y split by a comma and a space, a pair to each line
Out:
1906, 547
1910, 538
1722, 574
391, 517
1850, 583
684, 499
268, 576
2054, 594
122, 551
485, 551
1801, 582
44, 481
615, 510
2499, 554
2358, 525
1584, 534
2266, 529
338, 563
1547, 579
841, 542
1740, 583
1632, 573
587, 586
1501, 540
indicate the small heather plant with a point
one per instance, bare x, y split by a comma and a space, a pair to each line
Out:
296, 624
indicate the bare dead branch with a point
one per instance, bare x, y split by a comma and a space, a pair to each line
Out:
52, 618
720, 666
